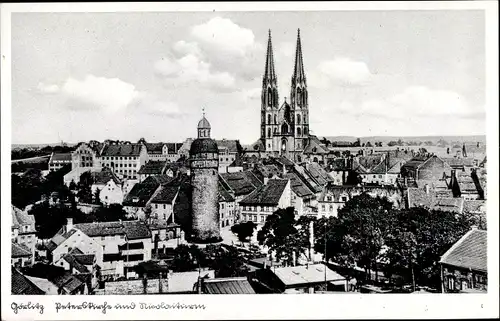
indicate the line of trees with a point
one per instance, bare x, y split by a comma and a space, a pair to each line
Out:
372, 235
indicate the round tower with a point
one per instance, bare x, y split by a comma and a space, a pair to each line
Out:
204, 164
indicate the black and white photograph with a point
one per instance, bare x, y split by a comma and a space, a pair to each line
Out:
188, 152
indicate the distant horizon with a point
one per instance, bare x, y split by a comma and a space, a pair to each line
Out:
244, 143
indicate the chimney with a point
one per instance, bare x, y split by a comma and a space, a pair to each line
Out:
427, 189
69, 224
294, 258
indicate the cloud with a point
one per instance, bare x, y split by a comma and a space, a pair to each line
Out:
190, 69
251, 94
423, 102
183, 48
108, 94
48, 89
286, 49
340, 71
225, 35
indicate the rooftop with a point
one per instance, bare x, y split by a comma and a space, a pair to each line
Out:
122, 150
268, 194
153, 167
227, 286
21, 218
241, 183
132, 229
306, 274
469, 252
19, 250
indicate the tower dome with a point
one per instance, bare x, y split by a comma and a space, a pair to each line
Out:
203, 123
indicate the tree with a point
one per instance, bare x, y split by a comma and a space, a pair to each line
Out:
363, 223
85, 188
353, 178
244, 230
281, 236
227, 262
50, 219
72, 186
392, 143
97, 197
186, 258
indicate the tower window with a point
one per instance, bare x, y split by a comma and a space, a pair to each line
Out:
269, 97
298, 119
275, 131
299, 131
299, 96
269, 132
275, 119
268, 118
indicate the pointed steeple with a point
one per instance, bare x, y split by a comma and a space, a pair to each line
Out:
269, 72
298, 69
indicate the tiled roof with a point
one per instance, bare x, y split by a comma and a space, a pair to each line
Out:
298, 187
282, 160
65, 157
469, 252
227, 286
21, 285
61, 236
306, 177
142, 192
173, 148
268, 194
20, 218
154, 148
303, 274
104, 176
369, 162
339, 164
67, 281
122, 150
224, 196
474, 206
74, 263
319, 174
314, 146
459, 162
19, 250
229, 144
391, 165
166, 194
132, 229
153, 167
241, 183
432, 200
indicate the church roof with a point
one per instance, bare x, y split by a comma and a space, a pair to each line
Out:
298, 69
269, 72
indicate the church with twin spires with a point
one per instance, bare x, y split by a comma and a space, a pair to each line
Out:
284, 129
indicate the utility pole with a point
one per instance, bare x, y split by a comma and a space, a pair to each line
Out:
326, 285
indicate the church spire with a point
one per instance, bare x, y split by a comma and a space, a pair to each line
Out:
298, 69
269, 73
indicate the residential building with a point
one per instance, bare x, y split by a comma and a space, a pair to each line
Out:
140, 195
228, 152
433, 198
302, 197
21, 256
227, 208
56, 280
163, 201
85, 158
334, 197
124, 245
58, 160
70, 237
124, 159
165, 235
109, 186
265, 200
23, 229
240, 185
152, 168
430, 168
464, 267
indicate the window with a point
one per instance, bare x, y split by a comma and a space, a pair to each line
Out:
269, 132
299, 131
222, 205
380, 176
323, 208
255, 218
298, 119
275, 119
331, 208
329, 198
344, 199
262, 218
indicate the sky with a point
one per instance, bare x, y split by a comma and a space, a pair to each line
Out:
83, 76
